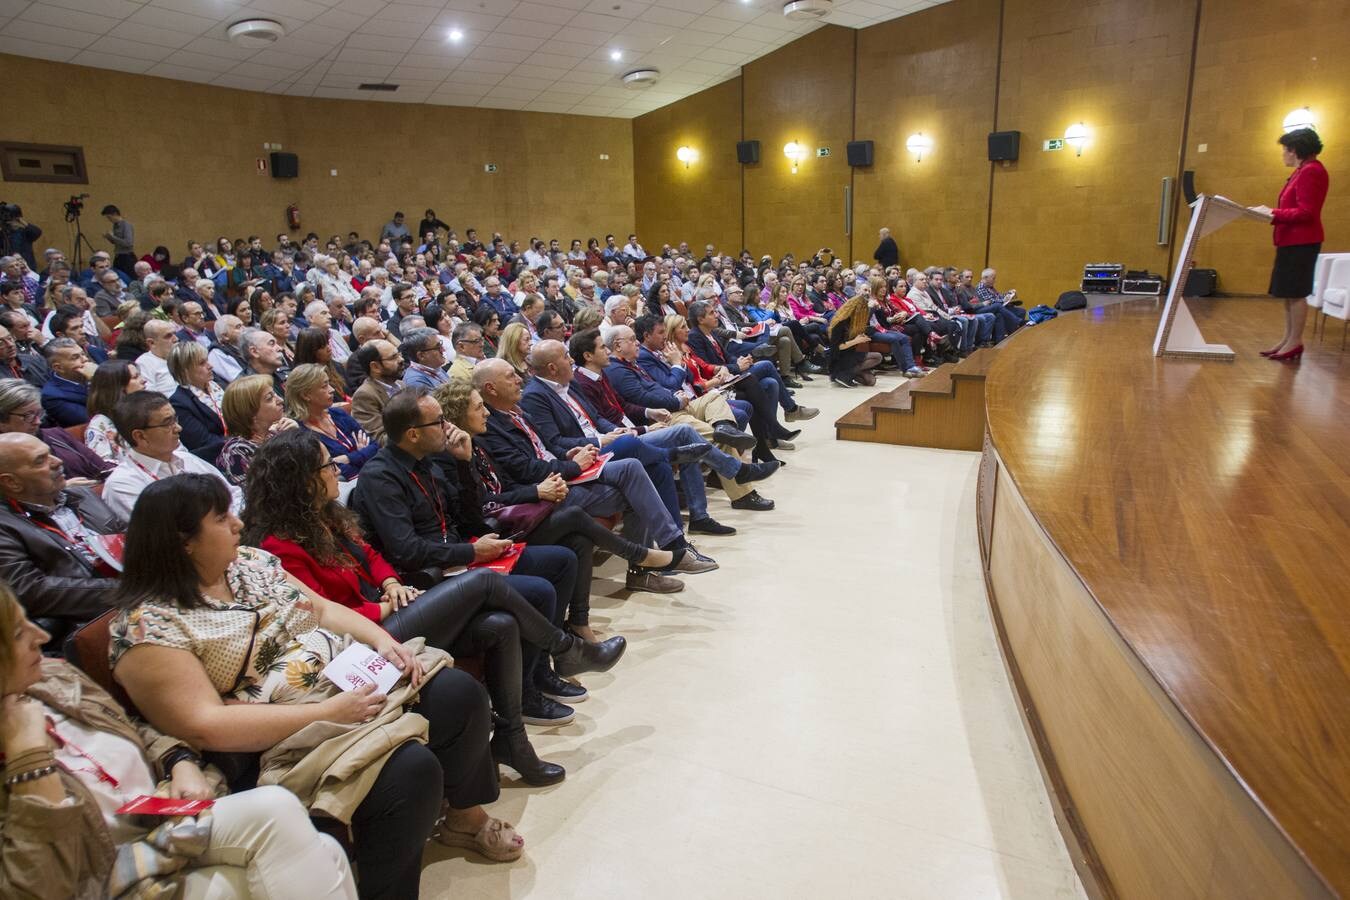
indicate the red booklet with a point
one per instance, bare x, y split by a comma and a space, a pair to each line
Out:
109, 548
503, 564
592, 472
756, 331
164, 806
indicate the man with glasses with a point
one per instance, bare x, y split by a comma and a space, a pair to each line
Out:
21, 413
149, 427
194, 326
110, 294
14, 364
468, 340
426, 359
382, 363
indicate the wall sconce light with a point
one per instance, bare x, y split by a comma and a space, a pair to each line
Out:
795, 152
686, 155
919, 144
1299, 118
1076, 136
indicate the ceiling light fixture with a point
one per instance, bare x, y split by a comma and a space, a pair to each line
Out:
255, 34
455, 34
807, 10
616, 55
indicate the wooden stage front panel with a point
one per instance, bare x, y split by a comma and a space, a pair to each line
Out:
1167, 545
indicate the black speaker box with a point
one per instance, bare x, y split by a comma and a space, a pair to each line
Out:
285, 165
859, 153
1003, 145
747, 152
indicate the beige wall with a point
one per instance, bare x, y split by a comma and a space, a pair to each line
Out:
1121, 67
178, 158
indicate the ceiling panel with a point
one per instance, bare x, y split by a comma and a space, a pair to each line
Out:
543, 55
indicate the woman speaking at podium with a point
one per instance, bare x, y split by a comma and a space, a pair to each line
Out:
1297, 218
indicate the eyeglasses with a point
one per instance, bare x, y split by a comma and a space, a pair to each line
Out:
168, 423
331, 464
29, 417
440, 421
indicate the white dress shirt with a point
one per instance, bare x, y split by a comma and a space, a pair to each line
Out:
225, 366
155, 373
136, 471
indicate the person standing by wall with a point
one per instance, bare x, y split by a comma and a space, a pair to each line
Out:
123, 239
1297, 220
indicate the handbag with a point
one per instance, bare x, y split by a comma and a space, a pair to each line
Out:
521, 518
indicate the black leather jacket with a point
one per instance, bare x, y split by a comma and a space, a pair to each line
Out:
50, 577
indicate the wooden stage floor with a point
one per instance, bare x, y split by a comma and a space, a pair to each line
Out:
1205, 506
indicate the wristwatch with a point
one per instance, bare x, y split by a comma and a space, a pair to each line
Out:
180, 754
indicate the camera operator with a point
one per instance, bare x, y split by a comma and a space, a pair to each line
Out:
16, 234
123, 239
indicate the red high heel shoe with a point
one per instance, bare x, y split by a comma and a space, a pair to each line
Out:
1272, 351
1289, 355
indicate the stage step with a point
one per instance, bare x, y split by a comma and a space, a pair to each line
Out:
944, 409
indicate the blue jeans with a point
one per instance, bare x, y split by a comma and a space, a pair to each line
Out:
741, 409
543, 576
901, 351
772, 382
657, 463
985, 323
625, 485
695, 492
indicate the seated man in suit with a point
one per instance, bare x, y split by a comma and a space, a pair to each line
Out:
45, 534
592, 358
519, 453
65, 396
382, 363
68, 322
14, 364
566, 422
718, 349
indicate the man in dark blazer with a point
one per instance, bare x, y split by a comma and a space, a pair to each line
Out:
519, 453
65, 396
982, 327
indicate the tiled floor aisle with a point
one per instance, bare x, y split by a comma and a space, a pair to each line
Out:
825, 716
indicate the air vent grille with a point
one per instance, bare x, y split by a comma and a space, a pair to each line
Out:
377, 86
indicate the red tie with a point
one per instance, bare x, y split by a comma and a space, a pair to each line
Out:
534, 438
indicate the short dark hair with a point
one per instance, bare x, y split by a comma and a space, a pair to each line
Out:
167, 514
401, 413
60, 319
1304, 142
582, 342
366, 356
110, 210
696, 311
133, 412
547, 319
645, 325
415, 341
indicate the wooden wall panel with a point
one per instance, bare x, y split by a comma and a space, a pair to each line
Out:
933, 72
178, 158
700, 203
801, 92
1256, 61
1120, 68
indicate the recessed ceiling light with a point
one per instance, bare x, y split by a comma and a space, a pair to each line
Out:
616, 55
455, 34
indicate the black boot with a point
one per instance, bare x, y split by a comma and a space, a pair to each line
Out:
580, 656
512, 748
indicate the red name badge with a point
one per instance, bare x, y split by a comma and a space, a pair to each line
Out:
164, 806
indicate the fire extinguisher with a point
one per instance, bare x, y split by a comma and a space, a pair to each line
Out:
293, 216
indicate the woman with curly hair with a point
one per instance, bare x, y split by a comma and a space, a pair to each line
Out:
292, 512
848, 331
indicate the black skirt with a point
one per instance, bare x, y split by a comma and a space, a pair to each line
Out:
1293, 272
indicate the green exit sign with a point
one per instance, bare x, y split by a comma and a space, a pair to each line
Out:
822, 151
1054, 144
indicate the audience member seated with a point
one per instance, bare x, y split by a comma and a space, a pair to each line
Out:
382, 364
65, 396
988, 299
309, 401
227, 363
490, 321
277, 323
111, 381
153, 364
421, 347
150, 431
21, 413
715, 347
292, 511
62, 834
198, 401
880, 329
468, 340
253, 413
46, 532
246, 684
537, 511
622, 485
312, 348
14, 364
414, 517
262, 356
514, 347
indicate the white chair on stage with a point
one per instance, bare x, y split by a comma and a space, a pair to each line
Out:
1335, 296
1320, 274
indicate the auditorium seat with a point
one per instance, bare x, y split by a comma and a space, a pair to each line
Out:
1336, 293
87, 649
1320, 274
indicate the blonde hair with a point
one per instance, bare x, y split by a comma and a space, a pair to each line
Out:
183, 356
673, 323
9, 620
508, 346
587, 317
303, 379
243, 398
454, 397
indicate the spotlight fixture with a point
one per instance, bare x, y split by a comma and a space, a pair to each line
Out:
795, 152
1076, 136
918, 144
1298, 119
616, 55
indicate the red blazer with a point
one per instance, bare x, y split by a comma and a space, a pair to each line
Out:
1297, 216
341, 585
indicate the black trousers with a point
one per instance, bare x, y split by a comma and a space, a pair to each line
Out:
395, 819
574, 528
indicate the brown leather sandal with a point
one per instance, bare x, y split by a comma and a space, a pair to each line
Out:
497, 840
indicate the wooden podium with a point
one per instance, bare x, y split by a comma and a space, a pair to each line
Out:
1178, 335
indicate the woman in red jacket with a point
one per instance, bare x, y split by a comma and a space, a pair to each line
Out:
1297, 218
293, 513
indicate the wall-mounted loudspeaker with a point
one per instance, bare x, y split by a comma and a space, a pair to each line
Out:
1003, 145
859, 153
285, 165
747, 152
1188, 186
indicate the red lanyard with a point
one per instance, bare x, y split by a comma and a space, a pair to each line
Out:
435, 504
524, 426
578, 408
136, 463
20, 511
341, 438
211, 402
101, 773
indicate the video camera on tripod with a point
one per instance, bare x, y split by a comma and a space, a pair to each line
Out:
74, 206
